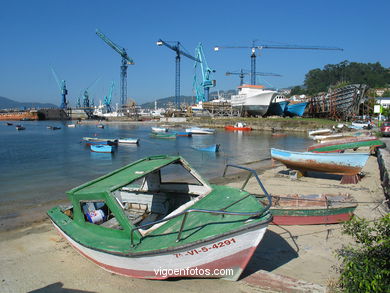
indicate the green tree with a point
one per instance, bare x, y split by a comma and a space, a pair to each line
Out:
366, 265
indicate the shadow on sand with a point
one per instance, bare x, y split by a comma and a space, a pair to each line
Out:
272, 252
57, 288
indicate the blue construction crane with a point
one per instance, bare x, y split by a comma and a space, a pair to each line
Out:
202, 88
176, 48
243, 72
260, 47
88, 104
107, 100
62, 86
126, 60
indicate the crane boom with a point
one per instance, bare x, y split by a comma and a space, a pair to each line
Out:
179, 52
242, 73
202, 88
62, 86
121, 51
259, 47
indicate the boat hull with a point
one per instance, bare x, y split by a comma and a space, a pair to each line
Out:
311, 217
295, 109
252, 100
212, 148
101, 148
344, 144
233, 128
196, 130
277, 108
227, 255
339, 164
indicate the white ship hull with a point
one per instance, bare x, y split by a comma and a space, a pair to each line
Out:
253, 99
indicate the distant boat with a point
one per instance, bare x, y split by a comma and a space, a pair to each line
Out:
295, 109
100, 126
322, 131
159, 129
53, 127
9, 123
128, 140
71, 125
241, 126
348, 165
199, 130
101, 148
340, 145
313, 209
163, 135
96, 141
20, 127
212, 148
279, 134
183, 133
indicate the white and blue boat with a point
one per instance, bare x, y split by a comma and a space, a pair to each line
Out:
346, 164
128, 140
101, 148
212, 148
295, 109
277, 106
96, 141
199, 130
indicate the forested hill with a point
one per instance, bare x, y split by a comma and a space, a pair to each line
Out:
6, 103
318, 80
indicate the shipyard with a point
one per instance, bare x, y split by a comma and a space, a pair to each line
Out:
190, 148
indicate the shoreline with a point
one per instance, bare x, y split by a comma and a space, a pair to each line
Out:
305, 253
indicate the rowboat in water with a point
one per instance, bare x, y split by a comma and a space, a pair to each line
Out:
340, 145
212, 148
139, 223
238, 126
312, 209
20, 127
183, 133
348, 164
96, 140
199, 130
163, 135
159, 129
128, 140
101, 148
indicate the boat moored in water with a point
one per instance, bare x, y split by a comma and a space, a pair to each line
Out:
96, 140
212, 148
163, 135
159, 129
136, 218
128, 140
199, 130
101, 148
241, 126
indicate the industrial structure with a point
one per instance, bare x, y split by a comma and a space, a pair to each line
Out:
202, 87
260, 47
243, 72
126, 60
179, 52
340, 103
62, 86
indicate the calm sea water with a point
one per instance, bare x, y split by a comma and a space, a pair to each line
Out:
38, 165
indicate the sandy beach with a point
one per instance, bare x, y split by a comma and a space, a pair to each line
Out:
35, 258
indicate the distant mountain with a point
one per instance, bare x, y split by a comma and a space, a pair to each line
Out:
189, 100
6, 103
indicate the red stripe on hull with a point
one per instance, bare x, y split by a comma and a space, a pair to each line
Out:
237, 261
310, 220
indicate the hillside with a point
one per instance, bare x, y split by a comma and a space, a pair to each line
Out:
6, 103
189, 100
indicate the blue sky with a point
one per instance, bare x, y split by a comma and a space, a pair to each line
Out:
35, 34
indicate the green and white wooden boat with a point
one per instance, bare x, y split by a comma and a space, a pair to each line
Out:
165, 135
340, 145
158, 218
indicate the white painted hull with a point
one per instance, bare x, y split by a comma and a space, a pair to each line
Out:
128, 140
159, 129
202, 260
253, 101
196, 130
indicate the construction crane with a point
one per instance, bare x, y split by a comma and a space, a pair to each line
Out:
62, 86
126, 60
107, 100
176, 48
88, 103
202, 89
260, 47
242, 73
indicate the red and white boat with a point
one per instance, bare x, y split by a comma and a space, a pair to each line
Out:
238, 126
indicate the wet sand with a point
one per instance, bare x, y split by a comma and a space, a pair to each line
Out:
36, 258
